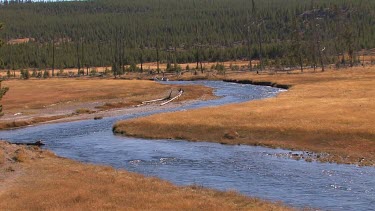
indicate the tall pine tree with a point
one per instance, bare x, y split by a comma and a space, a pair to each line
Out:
3, 90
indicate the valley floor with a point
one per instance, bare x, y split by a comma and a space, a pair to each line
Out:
330, 112
33, 101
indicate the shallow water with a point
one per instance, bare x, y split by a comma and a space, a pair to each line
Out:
254, 171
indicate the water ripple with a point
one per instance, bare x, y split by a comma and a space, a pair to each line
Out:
255, 171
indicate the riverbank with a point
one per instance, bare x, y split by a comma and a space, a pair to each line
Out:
330, 113
30, 102
36, 179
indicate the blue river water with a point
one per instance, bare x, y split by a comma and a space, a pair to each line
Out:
254, 171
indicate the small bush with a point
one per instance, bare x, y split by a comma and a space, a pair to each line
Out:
107, 71
25, 74
81, 72
2, 157
133, 67
46, 74
169, 67
34, 73
61, 72
20, 156
93, 72
234, 67
219, 67
83, 111
177, 68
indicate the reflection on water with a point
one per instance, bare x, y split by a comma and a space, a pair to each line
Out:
251, 170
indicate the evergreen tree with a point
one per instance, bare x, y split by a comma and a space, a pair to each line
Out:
25, 74
82, 34
3, 90
296, 45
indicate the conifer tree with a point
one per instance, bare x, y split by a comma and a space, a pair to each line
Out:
296, 45
3, 90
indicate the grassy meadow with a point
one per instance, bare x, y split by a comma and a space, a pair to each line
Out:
324, 112
44, 100
34, 179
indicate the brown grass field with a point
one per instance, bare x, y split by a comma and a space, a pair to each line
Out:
146, 66
43, 100
34, 179
331, 112
20, 41
207, 65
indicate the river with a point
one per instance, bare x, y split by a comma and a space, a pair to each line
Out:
254, 171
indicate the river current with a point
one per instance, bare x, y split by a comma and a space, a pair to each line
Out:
254, 171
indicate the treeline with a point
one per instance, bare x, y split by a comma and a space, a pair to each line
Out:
8, 2
123, 32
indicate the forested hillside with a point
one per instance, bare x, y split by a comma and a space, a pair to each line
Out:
119, 32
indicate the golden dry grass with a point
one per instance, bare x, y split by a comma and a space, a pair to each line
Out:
20, 41
2, 157
331, 112
37, 94
35, 120
84, 111
43, 181
193, 65
44, 100
146, 66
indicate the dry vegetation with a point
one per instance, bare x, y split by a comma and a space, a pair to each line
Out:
331, 112
146, 67
39, 94
34, 120
20, 41
34, 179
206, 65
43, 100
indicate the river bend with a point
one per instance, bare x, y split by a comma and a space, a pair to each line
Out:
254, 171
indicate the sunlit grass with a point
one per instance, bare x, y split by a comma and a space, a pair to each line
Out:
45, 100
39, 94
331, 112
43, 181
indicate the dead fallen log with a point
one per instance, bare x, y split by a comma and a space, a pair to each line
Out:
176, 97
37, 143
157, 100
